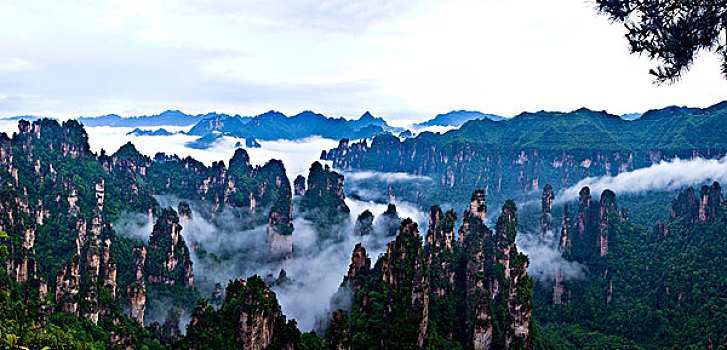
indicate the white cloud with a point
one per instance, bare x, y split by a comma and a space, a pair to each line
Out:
665, 175
400, 59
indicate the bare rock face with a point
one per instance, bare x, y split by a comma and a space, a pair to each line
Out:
710, 200
280, 226
564, 247
137, 296
403, 267
68, 286
169, 261
686, 205
547, 206
360, 265
608, 217
299, 185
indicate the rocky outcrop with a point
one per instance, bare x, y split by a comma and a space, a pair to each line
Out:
403, 269
686, 205
299, 185
364, 224
710, 200
184, 210
137, 296
68, 284
565, 246
485, 271
608, 218
546, 208
360, 266
168, 260
389, 221
280, 225
324, 203
250, 314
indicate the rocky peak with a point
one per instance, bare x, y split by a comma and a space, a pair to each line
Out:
364, 224
608, 217
686, 205
241, 161
546, 208
168, 259
184, 210
324, 203
299, 185
360, 265
566, 233
478, 207
389, 220
280, 225
710, 201
441, 229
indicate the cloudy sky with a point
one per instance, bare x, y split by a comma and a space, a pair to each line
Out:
402, 60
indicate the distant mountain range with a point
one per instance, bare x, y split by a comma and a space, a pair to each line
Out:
274, 125
457, 118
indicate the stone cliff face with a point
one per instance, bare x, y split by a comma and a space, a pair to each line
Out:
485, 271
546, 220
168, 260
250, 314
280, 225
565, 246
515, 156
702, 209
324, 202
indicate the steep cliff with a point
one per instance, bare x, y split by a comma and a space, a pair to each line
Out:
167, 259
249, 318
508, 158
642, 287
324, 202
475, 294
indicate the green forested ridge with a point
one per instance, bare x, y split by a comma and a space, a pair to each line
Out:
59, 201
658, 287
515, 156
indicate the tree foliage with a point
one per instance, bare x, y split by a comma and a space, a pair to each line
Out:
671, 31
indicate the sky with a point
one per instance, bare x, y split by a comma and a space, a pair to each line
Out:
402, 60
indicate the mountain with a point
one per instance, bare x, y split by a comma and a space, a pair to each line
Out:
643, 287
470, 293
274, 125
518, 155
457, 118
167, 118
157, 132
218, 123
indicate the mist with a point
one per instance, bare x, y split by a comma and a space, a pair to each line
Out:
384, 176
665, 175
542, 250
223, 248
